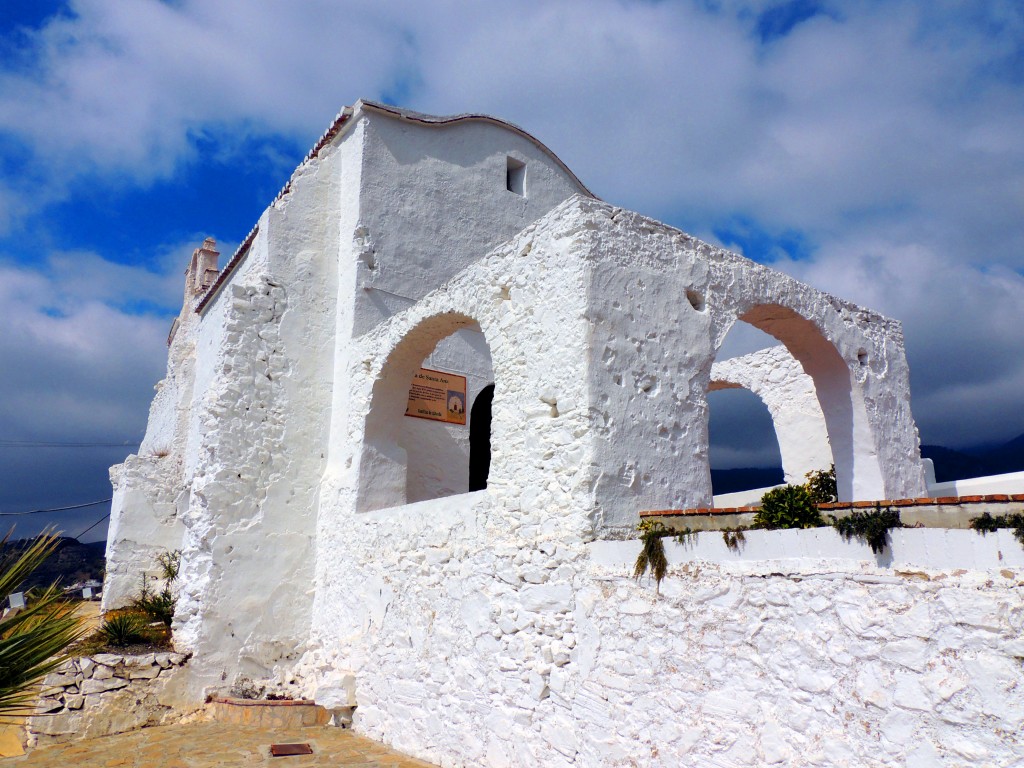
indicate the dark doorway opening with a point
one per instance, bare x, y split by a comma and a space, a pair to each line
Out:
480, 439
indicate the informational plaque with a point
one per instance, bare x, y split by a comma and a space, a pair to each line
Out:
437, 396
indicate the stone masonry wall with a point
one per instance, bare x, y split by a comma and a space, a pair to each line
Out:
104, 694
472, 647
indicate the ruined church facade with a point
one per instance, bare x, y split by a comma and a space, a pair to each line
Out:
331, 545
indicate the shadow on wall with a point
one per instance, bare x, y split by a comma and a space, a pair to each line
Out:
480, 439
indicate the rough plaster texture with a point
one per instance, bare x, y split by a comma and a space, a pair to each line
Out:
239, 431
779, 381
320, 547
149, 488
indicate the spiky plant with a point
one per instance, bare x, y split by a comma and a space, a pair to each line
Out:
33, 640
121, 629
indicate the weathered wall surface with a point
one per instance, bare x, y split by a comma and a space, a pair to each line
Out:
147, 492
474, 645
433, 200
269, 347
803, 662
149, 487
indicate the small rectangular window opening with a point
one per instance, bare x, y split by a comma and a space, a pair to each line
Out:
515, 176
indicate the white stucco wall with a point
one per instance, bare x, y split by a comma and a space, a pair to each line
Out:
474, 645
252, 437
258, 440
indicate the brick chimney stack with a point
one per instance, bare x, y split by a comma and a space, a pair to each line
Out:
202, 269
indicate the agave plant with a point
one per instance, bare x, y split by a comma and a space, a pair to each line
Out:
122, 629
32, 641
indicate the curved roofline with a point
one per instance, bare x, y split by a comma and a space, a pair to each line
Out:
340, 124
436, 120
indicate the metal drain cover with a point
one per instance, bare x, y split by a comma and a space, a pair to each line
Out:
287, 750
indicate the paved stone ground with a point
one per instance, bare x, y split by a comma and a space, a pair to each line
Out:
216, 745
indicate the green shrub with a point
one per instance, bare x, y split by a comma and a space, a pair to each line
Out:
157, 606
872, 527
124, 628
790, 506
821, 484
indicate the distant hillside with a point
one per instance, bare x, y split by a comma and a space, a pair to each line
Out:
71, 562
745, 478
950, 464
976, 462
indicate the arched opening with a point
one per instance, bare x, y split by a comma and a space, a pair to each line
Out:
845, 422
779, 386
743, 445
417, 443
743, 449
480, 439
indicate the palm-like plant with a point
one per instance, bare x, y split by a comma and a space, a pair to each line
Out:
32, 641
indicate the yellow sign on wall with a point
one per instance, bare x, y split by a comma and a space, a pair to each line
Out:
437, 396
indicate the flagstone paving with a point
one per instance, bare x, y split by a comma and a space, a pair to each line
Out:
216, 745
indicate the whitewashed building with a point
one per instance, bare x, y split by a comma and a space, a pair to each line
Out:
465, 577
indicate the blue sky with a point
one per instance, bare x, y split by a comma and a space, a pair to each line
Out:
873, 149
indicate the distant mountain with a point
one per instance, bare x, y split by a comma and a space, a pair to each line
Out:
950, 464
745, 478
71, 562
976, 462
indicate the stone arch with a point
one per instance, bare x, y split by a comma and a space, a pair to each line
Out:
779, 381
404, 460
850, 434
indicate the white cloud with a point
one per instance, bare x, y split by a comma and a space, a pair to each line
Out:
887, 133
79, 360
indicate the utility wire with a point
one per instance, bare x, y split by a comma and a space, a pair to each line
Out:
79, 536
56, 509
43, 444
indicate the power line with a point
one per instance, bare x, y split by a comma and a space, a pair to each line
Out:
52, 444
56, 509
79, 536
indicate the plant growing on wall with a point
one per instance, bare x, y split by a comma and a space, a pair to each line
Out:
652, 552
789, 506
821, 485
872, 527
990, 524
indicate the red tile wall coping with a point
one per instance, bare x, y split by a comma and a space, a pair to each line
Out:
261, 702
920, 502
